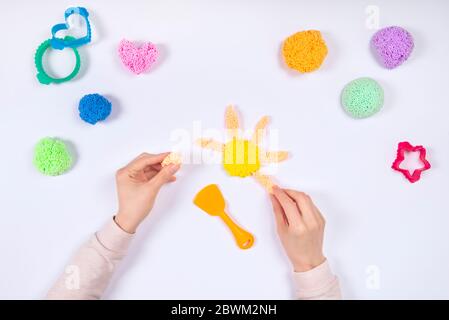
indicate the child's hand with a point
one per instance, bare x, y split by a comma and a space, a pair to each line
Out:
138, 185
300, 227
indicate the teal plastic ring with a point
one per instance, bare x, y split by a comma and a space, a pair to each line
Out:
42, 76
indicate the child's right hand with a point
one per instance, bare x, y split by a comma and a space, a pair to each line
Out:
300, 227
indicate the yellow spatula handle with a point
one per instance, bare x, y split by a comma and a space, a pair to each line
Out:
244, 239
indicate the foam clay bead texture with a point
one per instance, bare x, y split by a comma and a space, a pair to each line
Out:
51, 157
172, 158
392, 45
304, 51
138, 59
94, 108
362, 98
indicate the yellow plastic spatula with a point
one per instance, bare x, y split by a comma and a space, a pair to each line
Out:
211, 200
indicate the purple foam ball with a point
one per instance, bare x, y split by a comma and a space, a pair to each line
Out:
393, 45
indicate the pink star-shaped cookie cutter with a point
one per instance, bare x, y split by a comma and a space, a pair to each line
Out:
404, 147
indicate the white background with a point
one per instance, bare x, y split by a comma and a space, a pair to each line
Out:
215, 53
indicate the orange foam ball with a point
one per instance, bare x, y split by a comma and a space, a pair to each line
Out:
304, 51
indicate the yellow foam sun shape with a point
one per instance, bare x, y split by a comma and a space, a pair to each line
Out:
243, 157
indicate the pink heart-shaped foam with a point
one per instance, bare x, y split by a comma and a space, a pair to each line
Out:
137, 59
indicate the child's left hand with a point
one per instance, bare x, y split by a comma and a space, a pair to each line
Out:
138, 185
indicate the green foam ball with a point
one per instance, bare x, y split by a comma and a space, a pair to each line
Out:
362, 97
51, 157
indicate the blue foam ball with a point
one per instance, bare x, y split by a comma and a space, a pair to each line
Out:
94, 108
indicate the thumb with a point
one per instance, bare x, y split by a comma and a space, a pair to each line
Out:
164, 176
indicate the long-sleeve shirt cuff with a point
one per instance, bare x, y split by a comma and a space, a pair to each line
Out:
318, 283
114, 238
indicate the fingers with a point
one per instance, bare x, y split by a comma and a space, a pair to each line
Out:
320, 216
153, 167
281, 220
165, 175
150, 174
145, 160
289, 206
310, 213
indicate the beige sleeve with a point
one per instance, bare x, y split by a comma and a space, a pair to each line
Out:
317, 284
88, 274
